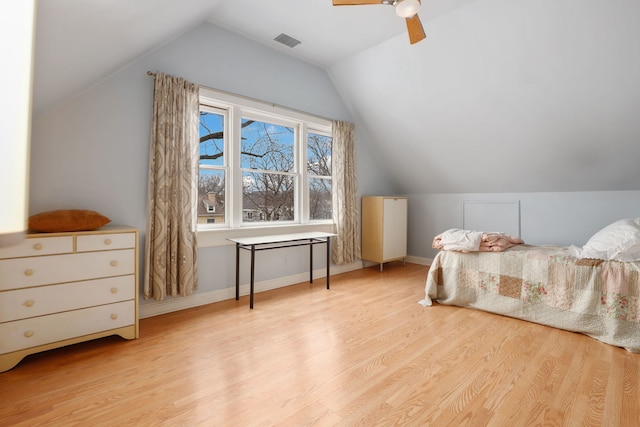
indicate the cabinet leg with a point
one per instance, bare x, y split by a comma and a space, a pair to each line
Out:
381, 266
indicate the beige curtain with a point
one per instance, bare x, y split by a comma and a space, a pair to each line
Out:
171, 248
346, 245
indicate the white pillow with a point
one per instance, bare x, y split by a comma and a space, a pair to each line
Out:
618, 241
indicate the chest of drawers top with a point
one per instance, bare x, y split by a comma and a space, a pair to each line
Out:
41, 244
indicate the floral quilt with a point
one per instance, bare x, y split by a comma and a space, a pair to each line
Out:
546, 285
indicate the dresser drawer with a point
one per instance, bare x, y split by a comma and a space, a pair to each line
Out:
37, 246
22, 334
42, 300
25, 272
102, 242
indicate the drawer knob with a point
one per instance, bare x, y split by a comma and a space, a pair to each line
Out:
28, 334
28, 272
29, 303
114, 316
37, 246
107, 241
114, 290
114, 263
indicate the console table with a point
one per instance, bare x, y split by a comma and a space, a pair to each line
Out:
262, 243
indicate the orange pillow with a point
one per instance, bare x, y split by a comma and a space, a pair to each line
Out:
67, 220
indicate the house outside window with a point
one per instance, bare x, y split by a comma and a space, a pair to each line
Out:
261, 165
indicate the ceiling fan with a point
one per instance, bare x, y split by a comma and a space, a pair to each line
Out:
407, 9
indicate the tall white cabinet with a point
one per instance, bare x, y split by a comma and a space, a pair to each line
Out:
384, 228
58, 289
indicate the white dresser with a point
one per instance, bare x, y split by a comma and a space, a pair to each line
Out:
58, 289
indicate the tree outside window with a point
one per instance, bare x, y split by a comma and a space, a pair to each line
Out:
268, 171
319, 176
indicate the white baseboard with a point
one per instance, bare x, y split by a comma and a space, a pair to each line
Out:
411, 259
155, 308
418, 260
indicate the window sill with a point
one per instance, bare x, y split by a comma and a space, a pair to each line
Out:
210, 238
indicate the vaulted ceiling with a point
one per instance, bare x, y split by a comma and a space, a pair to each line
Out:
502, 96
80, 42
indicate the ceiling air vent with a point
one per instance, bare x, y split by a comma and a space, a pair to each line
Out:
287, 40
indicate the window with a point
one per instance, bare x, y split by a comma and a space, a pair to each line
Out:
261, 165
267, 161
319, 175
213, 167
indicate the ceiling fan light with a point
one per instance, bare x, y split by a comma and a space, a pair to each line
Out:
407, 8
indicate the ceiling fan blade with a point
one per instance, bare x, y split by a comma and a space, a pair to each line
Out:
415, 30
354, 2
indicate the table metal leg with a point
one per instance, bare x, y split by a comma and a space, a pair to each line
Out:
328, 260
311, 262
237, 271
253, 269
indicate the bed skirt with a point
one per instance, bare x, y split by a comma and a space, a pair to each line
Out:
545, 285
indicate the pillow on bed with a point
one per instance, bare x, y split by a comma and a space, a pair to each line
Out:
67, 220
618, 241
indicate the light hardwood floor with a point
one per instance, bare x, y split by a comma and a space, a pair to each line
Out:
363, 353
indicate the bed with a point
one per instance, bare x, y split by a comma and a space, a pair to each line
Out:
548, 285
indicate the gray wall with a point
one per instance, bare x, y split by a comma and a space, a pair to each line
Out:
506, 96
92, 152
532, 100
545, 218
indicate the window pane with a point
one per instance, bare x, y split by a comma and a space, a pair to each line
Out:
319, 155
267, 197
211, 206
266, 146
319, 198
211, 138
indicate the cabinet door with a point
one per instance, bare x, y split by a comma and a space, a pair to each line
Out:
395, 228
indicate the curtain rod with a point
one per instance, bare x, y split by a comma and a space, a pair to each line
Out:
152, 74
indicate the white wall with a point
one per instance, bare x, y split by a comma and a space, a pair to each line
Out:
560, 218
92, 152
17, 37
530, 100
506, 96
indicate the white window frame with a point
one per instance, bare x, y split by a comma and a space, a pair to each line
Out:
225, 167
237, 107
304, 150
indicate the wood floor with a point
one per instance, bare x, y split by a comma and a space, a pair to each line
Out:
361, 354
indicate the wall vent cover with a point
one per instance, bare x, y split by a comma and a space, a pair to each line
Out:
287, 40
